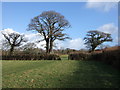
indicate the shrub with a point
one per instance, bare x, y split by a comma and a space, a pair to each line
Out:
79, 56
31, 57
108, 57
112, 58
51, 57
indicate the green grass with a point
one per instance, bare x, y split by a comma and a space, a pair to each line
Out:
59, 74
64, 57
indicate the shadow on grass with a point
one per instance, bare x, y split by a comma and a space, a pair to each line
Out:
91, 74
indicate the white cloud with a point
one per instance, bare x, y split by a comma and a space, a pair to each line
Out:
41, 45
111, 29
108, 28
34, 37
77, 44
101, 5
8, 30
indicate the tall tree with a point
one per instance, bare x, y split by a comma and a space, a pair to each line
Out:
95, 38
50, 25
13, 40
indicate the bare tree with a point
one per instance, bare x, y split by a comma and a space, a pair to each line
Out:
50, 25
95, 38
13, 40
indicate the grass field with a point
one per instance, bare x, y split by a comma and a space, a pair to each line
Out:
59, 74
64, 57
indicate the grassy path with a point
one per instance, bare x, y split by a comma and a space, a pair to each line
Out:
58, 74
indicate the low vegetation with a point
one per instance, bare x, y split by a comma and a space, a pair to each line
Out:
31, 57
79, 56
59, 74
109, 56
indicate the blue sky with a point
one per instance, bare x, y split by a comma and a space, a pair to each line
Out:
83, 16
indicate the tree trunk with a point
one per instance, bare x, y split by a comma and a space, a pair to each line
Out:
93, 48
11, 50
47, 45
51, 45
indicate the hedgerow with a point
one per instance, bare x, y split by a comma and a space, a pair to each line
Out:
108, 57
31, 57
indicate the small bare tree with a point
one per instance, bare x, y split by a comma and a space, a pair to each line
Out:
50, 25
13, 40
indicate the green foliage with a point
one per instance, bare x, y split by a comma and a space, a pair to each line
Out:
59, 74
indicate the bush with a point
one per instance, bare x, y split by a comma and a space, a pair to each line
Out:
108, 57
96, 56
31, 57
51, 57
79, 56
112, 58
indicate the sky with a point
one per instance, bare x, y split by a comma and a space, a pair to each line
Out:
83, 16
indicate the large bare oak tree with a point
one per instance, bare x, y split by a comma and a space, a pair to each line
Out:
50, 25
95, 38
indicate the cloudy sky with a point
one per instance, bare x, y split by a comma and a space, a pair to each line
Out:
83, 16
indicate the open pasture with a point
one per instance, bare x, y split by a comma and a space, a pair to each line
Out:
58, 74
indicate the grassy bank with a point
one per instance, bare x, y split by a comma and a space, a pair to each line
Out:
58, 74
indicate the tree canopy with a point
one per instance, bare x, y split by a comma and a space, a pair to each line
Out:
50, 25
95, 38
